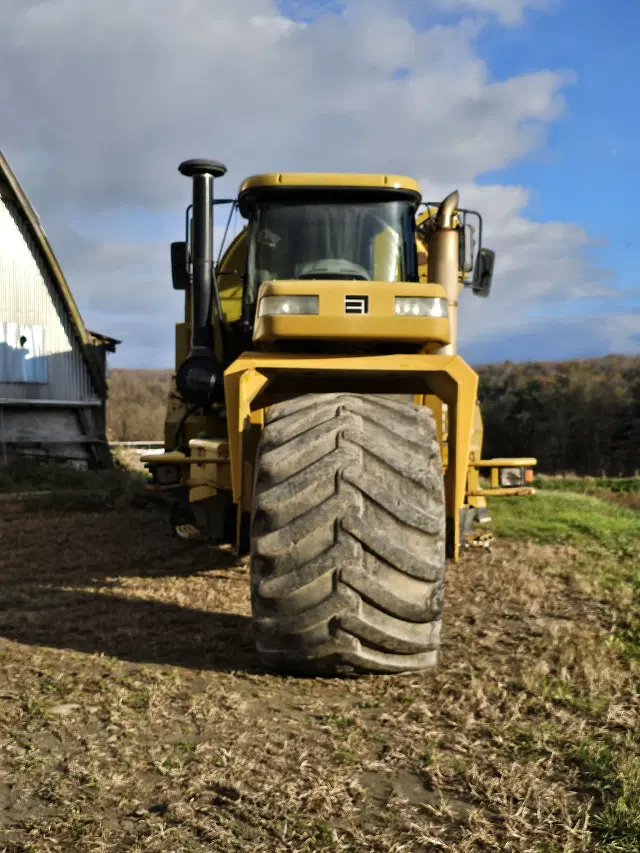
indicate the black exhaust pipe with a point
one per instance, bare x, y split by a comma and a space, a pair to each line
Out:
199, 377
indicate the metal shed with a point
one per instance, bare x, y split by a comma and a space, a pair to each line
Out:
53, 374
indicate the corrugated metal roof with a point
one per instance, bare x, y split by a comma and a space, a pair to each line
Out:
85, 338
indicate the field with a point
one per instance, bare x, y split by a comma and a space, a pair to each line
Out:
135, 716
624, 491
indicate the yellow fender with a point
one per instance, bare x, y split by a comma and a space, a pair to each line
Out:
253, 382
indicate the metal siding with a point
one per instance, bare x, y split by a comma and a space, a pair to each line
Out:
22, 354
53, 433
28, 297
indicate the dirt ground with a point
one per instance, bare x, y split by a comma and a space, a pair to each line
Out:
135, 716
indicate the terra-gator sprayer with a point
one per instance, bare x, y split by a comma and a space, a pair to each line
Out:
320, 418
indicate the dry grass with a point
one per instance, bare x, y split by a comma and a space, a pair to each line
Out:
135, 716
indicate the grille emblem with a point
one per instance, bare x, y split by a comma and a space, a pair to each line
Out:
356, 305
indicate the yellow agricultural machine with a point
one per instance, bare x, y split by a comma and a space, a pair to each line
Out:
320, 418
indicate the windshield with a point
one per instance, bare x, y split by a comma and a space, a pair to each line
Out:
366, 241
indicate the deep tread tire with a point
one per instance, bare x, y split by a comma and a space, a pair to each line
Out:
348, 536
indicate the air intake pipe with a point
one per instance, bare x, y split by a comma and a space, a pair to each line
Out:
444, 263
199, 377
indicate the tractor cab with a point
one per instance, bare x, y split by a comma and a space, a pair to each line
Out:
323, 227
354, 230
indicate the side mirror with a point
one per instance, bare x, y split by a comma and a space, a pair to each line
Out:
467, 249
483, 273
179, 269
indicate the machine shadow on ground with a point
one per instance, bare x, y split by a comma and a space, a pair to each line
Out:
56, 594
132, 629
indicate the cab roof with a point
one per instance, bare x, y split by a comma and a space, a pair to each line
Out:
329, 180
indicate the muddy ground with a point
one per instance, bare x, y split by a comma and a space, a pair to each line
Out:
134, 714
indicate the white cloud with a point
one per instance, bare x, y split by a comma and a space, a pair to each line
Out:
508, 12
114, 96
106, 99
277, 22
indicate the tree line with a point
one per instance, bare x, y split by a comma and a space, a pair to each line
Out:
580, 416
137, 404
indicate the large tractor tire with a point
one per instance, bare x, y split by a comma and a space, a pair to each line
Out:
348, 536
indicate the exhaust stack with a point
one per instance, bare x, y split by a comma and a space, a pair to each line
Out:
200, 375
202, 173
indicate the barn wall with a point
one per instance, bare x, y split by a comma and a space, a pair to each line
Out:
49, 434
28, 298
43, 372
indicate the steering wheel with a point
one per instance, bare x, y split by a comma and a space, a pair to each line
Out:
333, 268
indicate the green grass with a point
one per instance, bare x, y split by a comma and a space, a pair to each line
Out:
586, 485
606, 538
619, 820
614, 784
568, 518
27, 475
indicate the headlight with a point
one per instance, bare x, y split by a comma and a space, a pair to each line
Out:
511, 477
270, 305
421, 306
165, 475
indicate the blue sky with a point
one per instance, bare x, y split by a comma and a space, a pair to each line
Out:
101, 120
589, 171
